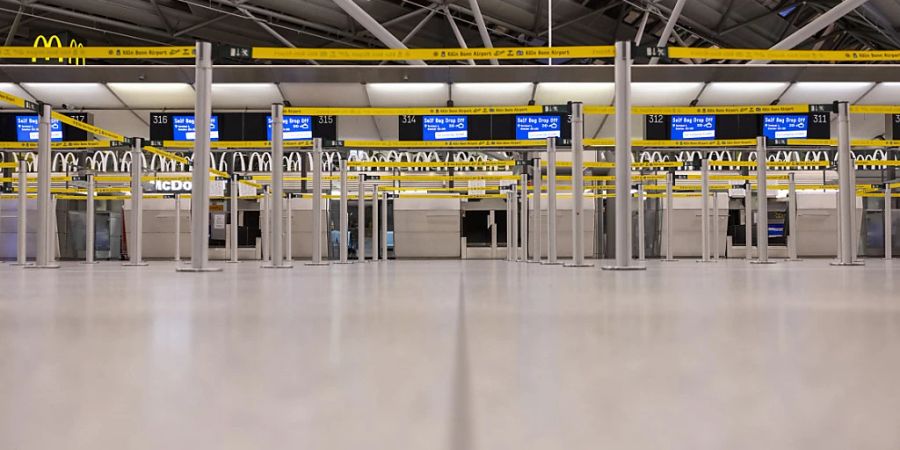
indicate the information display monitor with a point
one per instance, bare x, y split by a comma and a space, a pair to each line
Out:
690, 128
295, 128
183, 128
445, 128
788, 126
538, 127
27, 129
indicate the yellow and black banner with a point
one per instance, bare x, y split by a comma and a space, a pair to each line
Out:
783, 55
58, 145
422, 111
431, 54
97, 131
721, 110
98, 52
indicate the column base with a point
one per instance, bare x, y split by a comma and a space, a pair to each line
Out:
854, 263
344, 263
317, 264
137, 264
578, 265
669, 260
21, 265
90, 262
272, 266
202, 269
48, 266
624, 268
706, 261
232, 262
554, 263
793, 260
757, 261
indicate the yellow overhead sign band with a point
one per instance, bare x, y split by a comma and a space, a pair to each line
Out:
603, 142
721, 110
783, 55
715, 143
431, 54
12, 99
98, 52
420, 111
444, 144
57, 145
431, 164
599, 110
87, 127
237, 144
875, 109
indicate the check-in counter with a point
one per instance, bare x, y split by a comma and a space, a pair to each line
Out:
564, 229
427, 228
9, 226
686, 226
159, 227
301, 229
818, 223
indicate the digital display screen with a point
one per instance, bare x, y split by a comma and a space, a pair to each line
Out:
295, 128
27, 129
183, 128
445, 128
776, 230
537, 127
786, 126
688, 128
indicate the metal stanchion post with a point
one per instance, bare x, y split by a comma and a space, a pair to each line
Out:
847, 193
837, 207
523, 216
715, 227
201, 164
276, 206
623, 158
375, 245
748, 220
670, 203
89, 218
578, 186
537, 244
361, 218
44, 200
854, 236
22, 228
265, 233
177, 227
888, 223
288, 230
136, 243
642, 256
551, 202
514, 223
316, 258
762, 208
510, 245
344, 219
384, 226
793, 218
704, 210
233, 212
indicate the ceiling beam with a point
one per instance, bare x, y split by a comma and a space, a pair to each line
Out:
482, 28
459, 37
380, 33
670, 26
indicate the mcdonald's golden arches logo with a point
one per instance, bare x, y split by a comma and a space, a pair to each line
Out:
44, 41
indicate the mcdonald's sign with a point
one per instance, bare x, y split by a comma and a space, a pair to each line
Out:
54, 40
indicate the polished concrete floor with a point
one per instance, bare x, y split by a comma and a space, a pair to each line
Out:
451, 355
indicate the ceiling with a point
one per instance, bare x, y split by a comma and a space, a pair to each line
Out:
426, 24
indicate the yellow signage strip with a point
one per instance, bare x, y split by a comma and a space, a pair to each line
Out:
875, 143
602, 142
444, 144
772, 164
783, 55
167, 155
237, 144
875, 109
721, 110
99, 52
56, 145
431, 54
8, 165
87, 127
417, 111
599, 110
439, 164
715, 143
13, 100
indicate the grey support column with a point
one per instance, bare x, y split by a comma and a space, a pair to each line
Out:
748, 225
136, 235
316, 259
384, 226
715, 227
233, 212
344, 219
276, 205
551, 202
375, 216
510, 246
89, 218
670, 203
201, 164
888, 223
514, 223
22, 228
266, 231
288, 230
361, 218
623, 158
642, 256
847, 204
704, 210
792, 219
578, 186
177, 227
537, 243
762, 205
523, 217
45, 239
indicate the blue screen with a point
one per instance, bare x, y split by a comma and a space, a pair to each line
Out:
692, 128
295, 128
27, 129
776, 230
537, 127
183, 128
786, 127
445, 128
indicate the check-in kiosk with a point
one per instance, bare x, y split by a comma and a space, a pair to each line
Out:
484, 229
818, 223
686, 225
427, 228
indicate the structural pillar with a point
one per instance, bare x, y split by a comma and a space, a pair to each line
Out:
200, 169
847, 190
316, 259
344, 218
578, 186
762, 205
642, 256
89, 219
45, 240
22, 229
276, 206
384, 226
537, 244
136, 235
375, 245
704, 210
361, 218
233, 192
888, 223
523, 216
748, 225
793, 218
670, 203
551, 202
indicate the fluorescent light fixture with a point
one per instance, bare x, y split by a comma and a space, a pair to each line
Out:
408, 94
587, 93
155, 95
78, 95
497, 94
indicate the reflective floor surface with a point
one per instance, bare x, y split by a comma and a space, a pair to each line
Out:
451, 355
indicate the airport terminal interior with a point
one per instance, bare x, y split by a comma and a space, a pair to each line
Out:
455, 224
